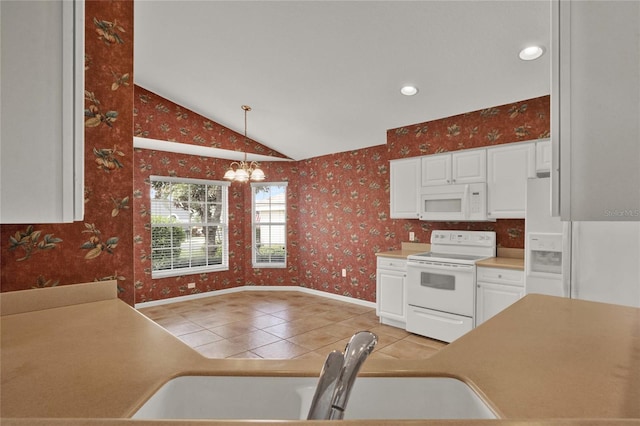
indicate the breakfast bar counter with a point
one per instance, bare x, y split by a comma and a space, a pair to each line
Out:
542, 358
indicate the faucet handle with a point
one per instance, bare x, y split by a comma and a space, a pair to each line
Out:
337, 377
361, 341
321, 403
356, 352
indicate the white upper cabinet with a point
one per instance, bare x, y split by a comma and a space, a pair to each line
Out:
436, 170
543, 157
42, 96
404, 181
595, 123
508, 168
467, 166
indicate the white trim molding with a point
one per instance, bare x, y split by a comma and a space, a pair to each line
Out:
200, 151
255, 288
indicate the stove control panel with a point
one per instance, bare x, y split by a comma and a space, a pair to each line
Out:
471, 238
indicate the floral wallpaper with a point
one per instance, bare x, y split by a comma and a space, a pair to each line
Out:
516, 122
98, 248
344, 198
159, 118
338, 205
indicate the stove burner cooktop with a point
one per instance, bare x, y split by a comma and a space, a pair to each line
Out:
432, 255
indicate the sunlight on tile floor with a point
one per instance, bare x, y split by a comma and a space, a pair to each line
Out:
281, 325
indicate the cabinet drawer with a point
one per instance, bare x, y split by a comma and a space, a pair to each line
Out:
501, 276
437, 325
392, 263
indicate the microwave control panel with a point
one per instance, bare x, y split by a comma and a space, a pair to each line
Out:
476, 202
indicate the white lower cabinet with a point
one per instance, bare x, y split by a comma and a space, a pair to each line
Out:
496, 289
391, 277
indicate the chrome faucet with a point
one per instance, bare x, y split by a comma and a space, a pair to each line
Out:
338, 376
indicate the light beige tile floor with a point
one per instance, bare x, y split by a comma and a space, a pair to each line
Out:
282, 325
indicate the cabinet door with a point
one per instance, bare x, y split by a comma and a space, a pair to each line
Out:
404, 191
391, 300
469, 166
493, 298
543, 157
436, 169
508, 168
595, 95
42, 130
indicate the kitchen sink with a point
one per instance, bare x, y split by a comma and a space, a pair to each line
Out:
289, 398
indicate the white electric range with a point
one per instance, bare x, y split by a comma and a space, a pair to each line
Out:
441, 284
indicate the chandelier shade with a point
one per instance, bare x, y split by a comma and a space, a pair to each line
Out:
244, 171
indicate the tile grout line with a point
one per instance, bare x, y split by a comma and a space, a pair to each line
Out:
247, 307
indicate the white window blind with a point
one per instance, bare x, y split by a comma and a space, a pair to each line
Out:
269, 224
189, 226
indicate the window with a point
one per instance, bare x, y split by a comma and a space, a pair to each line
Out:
269, 224
189, 226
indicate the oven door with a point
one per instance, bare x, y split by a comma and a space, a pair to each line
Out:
441, 286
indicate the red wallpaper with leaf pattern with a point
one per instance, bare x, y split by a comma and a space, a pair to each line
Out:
344, 198
98, 248
159, 118
338, 205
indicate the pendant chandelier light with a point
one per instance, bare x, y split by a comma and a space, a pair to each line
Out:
244, 171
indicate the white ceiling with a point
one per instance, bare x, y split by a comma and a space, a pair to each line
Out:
324, 76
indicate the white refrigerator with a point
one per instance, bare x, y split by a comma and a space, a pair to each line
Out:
598, 261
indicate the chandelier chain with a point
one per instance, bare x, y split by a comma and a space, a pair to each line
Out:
245, 171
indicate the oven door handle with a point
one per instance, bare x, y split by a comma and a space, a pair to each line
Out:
440, 266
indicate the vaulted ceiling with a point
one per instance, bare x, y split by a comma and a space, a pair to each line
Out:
324, 76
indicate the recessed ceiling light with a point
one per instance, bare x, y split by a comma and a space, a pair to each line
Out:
409, 90
530, 53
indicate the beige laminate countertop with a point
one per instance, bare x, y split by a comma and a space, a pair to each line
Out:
406, 249
542, 358
502, 262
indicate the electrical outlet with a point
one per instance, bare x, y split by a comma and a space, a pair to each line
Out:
344, 272
412, 236
191, 285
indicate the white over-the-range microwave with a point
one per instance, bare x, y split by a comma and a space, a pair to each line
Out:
457, 202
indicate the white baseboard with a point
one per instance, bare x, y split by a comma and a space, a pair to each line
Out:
255, 288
